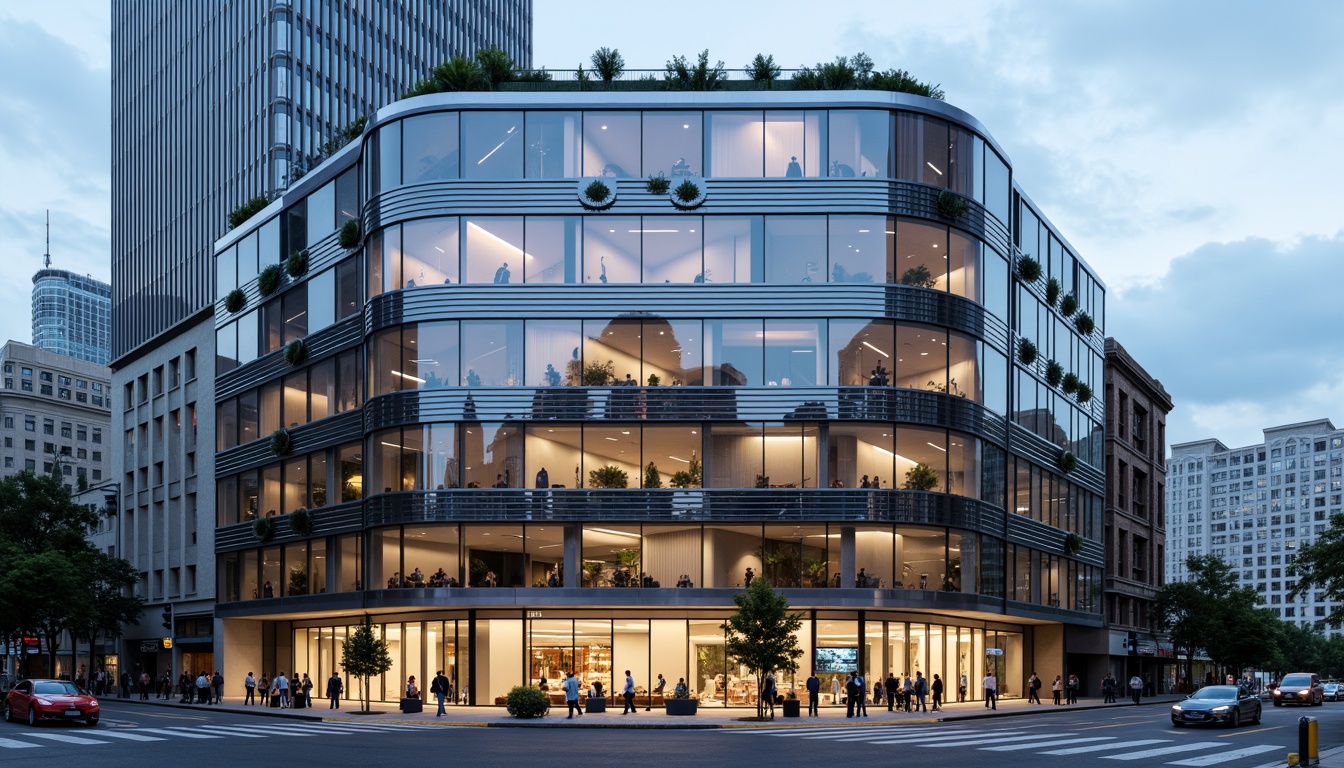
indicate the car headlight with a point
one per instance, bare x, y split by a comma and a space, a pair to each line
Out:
1277, 693
44, 702
1176, 708
1219, 710
1305, 692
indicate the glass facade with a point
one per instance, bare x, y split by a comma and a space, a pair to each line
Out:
72, 315
552, 403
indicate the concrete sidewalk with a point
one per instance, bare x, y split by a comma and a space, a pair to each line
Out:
706, 717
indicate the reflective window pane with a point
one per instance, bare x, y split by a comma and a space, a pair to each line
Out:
733, 352
554, 244
556, 450
553, 140
431, 350
963, 265
861, 248
795, 249
429, 252
921, 357
672, 249
795, 144
860, 452
735, 144
611, 144
492, 145
494, 250
429, 147
861, 353
492, 353
921, 254
322, 212
794, 353
611, 249
389, 156
734, 249
674, 352
322, 300
553, 353
673, 144
860, 143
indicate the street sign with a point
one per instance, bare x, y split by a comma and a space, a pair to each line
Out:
993, 651
167, 643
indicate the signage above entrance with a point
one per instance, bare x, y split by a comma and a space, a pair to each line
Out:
993, 651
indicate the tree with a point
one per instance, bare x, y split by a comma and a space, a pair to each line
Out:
496, 65
1210, 612
682, 76
365, 655
763, 70
608, 64
1320, 568
761, 635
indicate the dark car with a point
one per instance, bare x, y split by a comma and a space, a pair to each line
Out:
1229, 704
42, 700
1299, 688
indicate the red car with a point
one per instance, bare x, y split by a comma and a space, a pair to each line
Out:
38, 700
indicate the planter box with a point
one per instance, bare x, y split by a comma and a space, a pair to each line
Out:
594, 706
411, 706
791, 707
681, 706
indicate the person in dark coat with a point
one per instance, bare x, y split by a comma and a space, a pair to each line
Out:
334, 688
813, 693
937, 692
893, 687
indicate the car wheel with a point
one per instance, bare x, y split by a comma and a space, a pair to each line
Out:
1236, 718
91, 722
1256, 720
32, 715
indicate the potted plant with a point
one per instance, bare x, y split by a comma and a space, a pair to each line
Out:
1070, 383
597, 194
655, 380
247, 210
689, 193
281, 442
1084, 324
1069, 305
295, 352
921, 477
592, 572
596, 374
920, 277
1054, 373
652, 477
608, 64
1067, 462
269, 279
1084, 393
1028, 268
526, 701
610, 476
297, 263
628, 558
689, 477
815, 573
763, 70
951, 205
350, 234
235, 300
1026, 352
1073, 544
301, 521
657, 185
1051, 291
262, 528
680, 703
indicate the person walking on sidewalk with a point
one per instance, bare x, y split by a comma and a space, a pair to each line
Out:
1033, 689
439, 687
1108, 689
334, 688
908, 693
813, 693
572, 695
861, 688
921, 692
991, 686
892, 687
307, 691
281, 684
628, 693
1135, 687
1057, 687
850, 695
768, 693
202, 688
217, 682
937, 692
250, 686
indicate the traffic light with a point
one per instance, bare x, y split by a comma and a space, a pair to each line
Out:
1132, 644
168, 617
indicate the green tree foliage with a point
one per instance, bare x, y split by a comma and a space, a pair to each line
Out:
608, 64
1210, 612
247, 210
762, 634
856, 72
921, 477
496, 66
53, 579
525, 701
763, 70
1320, 568
682, 76
365, 655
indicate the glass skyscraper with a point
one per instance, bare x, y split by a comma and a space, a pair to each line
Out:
71, 315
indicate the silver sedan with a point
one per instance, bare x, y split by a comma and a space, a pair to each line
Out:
1228, 704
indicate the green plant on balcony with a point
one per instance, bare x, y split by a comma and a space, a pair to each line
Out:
1070, 383
1084, 393
235, 300
269, 279
599, 374
1073, 544
301, 521
763, 70
687, 191
592, 572
1051, 291
1028, 269
295, 352
608, 64
628, 558
652, 477
610, 476
657, 185
281, 442
762, 481
814, 571
655, 380
1069, 305
597, 192
921, 477
262, 528
689, 477
297, 263
350, 234
1068, 462
920, 277
247, 210
1054, 373
700, 76
298, 581
951, 205
1026, 352
1084, 324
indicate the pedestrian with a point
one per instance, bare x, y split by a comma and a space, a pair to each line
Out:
1057, 687
281, 684
892, 687
125, 687
628, 693
921, 692
202, 688
878, 692
861, 687
307, 691
412, 690
1136, 687
572, 695
746, 578
1073, 689
145, 682
849, 695
813, 693
938, 692
991, 686
185, 686
908, 692
835, 690
217, 682
439, 687
768, 693
961, 688
334, 689
250, 687
1033, 685
657, 689
1108, 689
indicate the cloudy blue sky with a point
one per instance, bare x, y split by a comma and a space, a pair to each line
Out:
1189, 150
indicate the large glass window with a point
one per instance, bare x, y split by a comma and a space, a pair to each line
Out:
734, 250
429, 252
874, 557
860, 452
389, 156
673, 453
492, 145
553, 249
553, 353
322, 212
322, 300
611, 144
430, 148
611, 247
860, 143
492, 353
922, 554
611, 352
322, 389
296, 398
673, 144
963, 266
554, 449
492, 455
494, 555
347, 288
553, 140
295, 312
735, 144
964, 375
494, 250
737, 456
921, 254
921, 357
862, 248
921, 460
795, 144
672, 249
862, 352
795, 353
790, 456
226, 424
672, 554
935, 154
795, 249
961, 161
673, 351
733, 352
729, 551
432, 349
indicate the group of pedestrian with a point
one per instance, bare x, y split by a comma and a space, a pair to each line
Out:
296, 692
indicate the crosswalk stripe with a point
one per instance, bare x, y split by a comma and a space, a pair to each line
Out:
183, 734
369, 727
1147, 753
1036, 737
12, 744
64, 738
1051, 743
127, 735
229, 731
955, 737
269, 730
1235, 754
864, 733
315, 730
1115, 745
796, 731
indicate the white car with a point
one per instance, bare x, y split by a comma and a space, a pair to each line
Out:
1332, 691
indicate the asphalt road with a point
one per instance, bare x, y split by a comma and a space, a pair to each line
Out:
1143, 736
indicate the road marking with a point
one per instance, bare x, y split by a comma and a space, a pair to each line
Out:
1099, 727
12, 744
230, 732
64, 738
269, 730
1116, 745
1257, 730
183, 733
1147, 753
1235, 754
952, 737
980, 740
849, 733
1013, 747
128, 735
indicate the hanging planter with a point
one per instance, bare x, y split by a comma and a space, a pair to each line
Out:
1054, 373
269, 280
597, 194
1028, 268
281, 442
1051, 291
1073, 544
350, 234
951, 205
301, 521
235, 301
1084, 324
297, 263
1026, 352
296, 352
689, 193
1069, 305
1067, 462
262, 528
1084, 393
1070, 383
657, 185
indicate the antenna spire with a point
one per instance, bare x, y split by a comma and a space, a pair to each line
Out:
46, 257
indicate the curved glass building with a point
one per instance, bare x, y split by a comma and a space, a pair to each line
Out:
72, 315
536, 424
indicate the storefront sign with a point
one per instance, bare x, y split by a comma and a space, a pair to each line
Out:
534, 614
168, 643
148, 646
993, 651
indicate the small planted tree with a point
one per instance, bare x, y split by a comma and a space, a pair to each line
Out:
921, 477
247, 210
610, 476
652, 477
297, 263
496, 66
1026, 352
365, 655
688, 477
700, 76
763, 70
1084, 324
350, 234
1070, 383
597, 374
1054, 373
235, 301
526, 701
951, 205
268, 281
762, 635
1084, 393
658, 185
1069, 305
920, 277
1028, 268
608, 64
1051, 291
